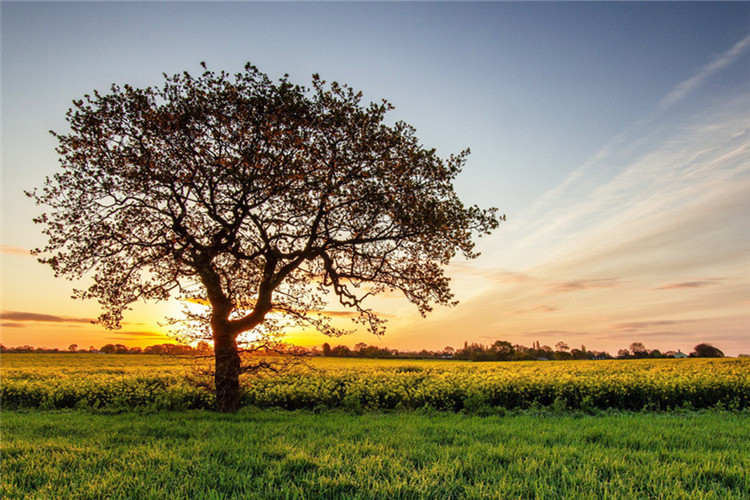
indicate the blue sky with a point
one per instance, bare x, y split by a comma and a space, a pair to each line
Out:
613, 135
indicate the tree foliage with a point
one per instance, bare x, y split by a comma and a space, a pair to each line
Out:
251, 197
706, 351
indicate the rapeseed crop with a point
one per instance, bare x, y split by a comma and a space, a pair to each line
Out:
52, 381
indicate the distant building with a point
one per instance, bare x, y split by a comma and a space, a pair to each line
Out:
679, 354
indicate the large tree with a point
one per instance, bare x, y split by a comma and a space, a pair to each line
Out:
257, 198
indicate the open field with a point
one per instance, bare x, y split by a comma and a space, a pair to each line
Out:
408, 429
54, 381
280, 454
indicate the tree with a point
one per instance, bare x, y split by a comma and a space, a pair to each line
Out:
578, 354
155, 349
562, 356
110, 348
255, 198
359, 347
503, 350
562, 347
203, 347
706, 351
623, 354
73, 347
638, 350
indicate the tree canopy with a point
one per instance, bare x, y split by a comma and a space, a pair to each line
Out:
704, 350
252, 197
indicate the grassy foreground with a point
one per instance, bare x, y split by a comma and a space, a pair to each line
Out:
279, 454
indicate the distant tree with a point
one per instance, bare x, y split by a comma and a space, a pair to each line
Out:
251, 196
562, 347
578, 354
108, 349
655, 353
623, 354
359, 347
73, 347
503, 350
706, 351
135, 350
341, 351
155, 349
203, 347
638, 350
522, 353
326, 349
561, 356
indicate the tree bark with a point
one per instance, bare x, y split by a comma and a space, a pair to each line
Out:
226, 373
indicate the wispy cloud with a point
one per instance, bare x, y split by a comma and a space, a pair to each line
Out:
689, 284
648, 337
340, 314
687, 86
14, 250
633, 326
135, 335
552, 333
535, 309
23, 316
578, 285
10, 324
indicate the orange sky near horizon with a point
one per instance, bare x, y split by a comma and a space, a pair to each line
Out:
495, 305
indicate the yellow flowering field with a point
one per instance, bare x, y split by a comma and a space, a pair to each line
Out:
163, 382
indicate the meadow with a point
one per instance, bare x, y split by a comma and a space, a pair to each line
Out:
89, 426
276, 454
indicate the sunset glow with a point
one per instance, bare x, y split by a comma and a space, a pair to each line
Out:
615, 137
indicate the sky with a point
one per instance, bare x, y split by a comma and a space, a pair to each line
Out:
614, 136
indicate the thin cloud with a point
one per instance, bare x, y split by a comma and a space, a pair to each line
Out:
351, 314
340, 314
640, 325
688, 284
41, 318
578, 285
687, 86
549, 333
10, 324
493, 274
645, 337
535, 309
14, 250
133, 335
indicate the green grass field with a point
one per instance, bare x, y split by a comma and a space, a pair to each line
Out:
89, 426
282, 454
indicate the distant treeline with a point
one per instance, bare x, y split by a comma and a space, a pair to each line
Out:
500, 350
503, 350
177, 349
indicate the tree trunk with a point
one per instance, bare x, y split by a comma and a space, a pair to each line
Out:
227, 374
